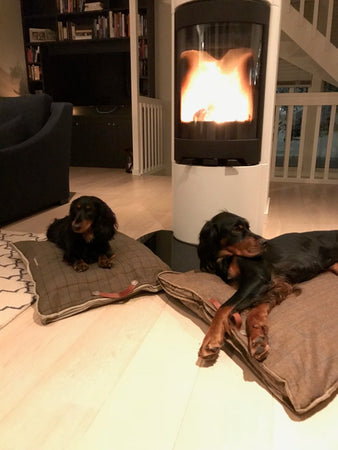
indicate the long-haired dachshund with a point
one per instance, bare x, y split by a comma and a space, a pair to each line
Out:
85, 233
263, 271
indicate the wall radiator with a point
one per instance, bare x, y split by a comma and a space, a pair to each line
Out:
305, 143
150, 135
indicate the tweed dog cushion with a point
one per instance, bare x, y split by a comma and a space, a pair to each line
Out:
62, 292
302, 367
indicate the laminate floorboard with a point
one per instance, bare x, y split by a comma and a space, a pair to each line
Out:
124, 377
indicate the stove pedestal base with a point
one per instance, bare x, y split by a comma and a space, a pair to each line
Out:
201, 192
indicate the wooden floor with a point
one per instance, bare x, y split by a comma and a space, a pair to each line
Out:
124, 377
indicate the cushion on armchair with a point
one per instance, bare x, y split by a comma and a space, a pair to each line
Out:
22, 117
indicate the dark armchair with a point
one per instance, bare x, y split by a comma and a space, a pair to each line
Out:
35, 142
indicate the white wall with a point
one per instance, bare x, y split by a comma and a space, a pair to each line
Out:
13, 79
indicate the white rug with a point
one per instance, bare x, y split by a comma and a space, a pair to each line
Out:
16, 293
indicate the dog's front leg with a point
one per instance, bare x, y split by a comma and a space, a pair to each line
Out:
106, 256
78, 264
257, 331
214, 339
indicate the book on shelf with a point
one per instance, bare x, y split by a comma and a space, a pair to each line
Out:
60, 31
34, 72
143, 67
73, 6
66, 31
100, 27
142, 25
119, 24
143, 48
93, 6
83, 34
97, 29
70, 6
33, 54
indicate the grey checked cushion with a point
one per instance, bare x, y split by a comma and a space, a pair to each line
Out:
62, 292
301, 370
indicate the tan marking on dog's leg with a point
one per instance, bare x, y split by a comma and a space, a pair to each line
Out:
257, 331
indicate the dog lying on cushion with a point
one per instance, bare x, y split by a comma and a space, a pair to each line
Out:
264, 272
85, 233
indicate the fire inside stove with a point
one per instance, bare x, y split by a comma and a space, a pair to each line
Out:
217, 90
220, 62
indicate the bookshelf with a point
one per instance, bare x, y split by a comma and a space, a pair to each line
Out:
74, 25
79, 51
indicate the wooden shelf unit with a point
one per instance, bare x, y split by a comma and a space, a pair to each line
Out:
59, 30
75, 30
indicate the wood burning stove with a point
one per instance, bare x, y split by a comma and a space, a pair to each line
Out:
220, 65
222, 162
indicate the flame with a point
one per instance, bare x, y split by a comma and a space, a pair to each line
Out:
217, 90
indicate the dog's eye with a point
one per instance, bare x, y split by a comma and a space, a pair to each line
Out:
88, 208
239, 227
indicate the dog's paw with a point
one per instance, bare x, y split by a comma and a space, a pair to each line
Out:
259, 347
105, 262
210, 348
258, 341
214, 339
80, 266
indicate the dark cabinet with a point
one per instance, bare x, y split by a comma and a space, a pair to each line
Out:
101, 139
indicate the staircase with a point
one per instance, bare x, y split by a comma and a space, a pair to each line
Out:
305, 141
309, 37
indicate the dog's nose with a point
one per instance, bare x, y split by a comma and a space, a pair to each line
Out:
262, 242
76, 226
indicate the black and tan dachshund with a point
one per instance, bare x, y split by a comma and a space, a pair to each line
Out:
264, 273
85, 233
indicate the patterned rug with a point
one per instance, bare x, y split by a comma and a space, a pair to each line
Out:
16, 293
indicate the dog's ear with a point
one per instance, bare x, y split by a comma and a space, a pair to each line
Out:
72, 208
208, 247
106, 222
209, 232
222, 267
